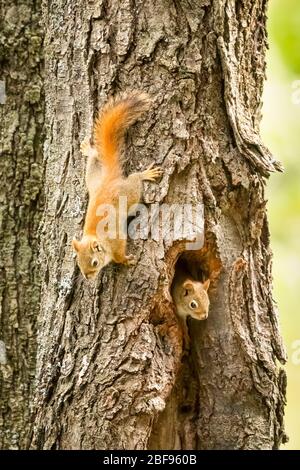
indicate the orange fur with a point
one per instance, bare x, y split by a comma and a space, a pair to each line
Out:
111, 125
109, 131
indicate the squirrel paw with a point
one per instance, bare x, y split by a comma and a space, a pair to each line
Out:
151, 174
130, 260
86, 149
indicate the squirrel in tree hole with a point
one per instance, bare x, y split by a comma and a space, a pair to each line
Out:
190, 298
106, 183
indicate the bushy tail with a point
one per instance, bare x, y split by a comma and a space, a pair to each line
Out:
110, 127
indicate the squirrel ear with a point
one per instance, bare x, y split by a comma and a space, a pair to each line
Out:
75, 244
95, 246
188, 285
206, 284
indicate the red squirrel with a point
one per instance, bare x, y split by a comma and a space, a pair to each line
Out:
106, 183
190, 299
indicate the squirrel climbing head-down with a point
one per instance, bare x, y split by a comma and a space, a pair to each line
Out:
107, 184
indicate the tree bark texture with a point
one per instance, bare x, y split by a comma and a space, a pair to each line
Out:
22, 115
111, 370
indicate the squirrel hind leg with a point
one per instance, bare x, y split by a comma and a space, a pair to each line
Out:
93, 166
87, 149
151, 174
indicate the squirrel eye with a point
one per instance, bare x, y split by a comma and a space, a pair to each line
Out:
193, 304
95, 263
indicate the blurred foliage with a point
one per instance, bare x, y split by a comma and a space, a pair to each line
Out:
284, 29
281, 131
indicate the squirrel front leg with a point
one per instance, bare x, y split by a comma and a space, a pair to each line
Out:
118, 252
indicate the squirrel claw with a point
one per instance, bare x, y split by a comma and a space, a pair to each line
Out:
151, 174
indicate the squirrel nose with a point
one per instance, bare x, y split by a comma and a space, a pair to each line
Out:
203, 316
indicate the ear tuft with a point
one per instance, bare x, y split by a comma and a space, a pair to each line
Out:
206, 284
75, 244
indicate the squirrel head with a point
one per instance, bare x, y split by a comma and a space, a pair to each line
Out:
90, 256
194, 300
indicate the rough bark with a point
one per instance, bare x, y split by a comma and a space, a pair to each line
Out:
21, 181
111, 373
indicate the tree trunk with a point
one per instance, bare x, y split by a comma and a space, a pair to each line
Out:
22, 115
111, 369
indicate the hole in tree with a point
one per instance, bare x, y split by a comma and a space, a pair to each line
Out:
190, 301
199, 265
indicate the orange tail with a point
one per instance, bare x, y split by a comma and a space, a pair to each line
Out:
110, 127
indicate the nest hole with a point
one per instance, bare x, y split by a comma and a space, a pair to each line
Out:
200, 264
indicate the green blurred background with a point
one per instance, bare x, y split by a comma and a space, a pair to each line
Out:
281, 132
